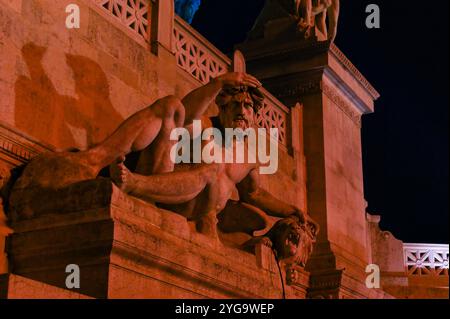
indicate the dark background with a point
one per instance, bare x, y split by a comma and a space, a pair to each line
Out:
405, 142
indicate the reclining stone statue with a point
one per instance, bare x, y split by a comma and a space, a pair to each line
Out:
200, 192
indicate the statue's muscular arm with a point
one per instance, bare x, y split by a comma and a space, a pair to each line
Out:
333, 17
196, 102
251, 193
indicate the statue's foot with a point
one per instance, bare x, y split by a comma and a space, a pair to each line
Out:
121, 176
207, 226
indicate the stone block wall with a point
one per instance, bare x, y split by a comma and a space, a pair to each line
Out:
72, 87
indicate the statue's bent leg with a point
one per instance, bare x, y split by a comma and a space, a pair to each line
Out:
139, 131
155, 158
57, 170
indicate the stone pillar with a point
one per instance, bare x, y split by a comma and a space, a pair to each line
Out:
334, 95
163, 16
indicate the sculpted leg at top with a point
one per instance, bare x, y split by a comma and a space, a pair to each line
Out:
155, 157
140, 130
57, 170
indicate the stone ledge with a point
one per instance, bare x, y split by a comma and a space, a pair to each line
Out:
18, 287
125, 241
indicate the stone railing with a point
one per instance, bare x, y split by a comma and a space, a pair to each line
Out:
274, 114
204, 61
193, 53
426, 259
196, 55
133, 14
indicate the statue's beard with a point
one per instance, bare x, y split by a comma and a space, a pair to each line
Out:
236, 121
241, 123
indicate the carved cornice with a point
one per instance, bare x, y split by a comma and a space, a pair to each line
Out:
348, 110
299, 90
17, 148
317, 86
340, 56
279, 49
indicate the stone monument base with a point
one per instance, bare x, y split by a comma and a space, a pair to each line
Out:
127, 248
18, 287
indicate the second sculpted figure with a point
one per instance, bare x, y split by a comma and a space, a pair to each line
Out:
310, 13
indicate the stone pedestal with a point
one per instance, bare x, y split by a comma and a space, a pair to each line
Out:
334, 96
18, 287
16, 149
126, 248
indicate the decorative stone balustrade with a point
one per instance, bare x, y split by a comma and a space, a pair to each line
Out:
203, 61
193, 53
426, 259
196, 55
274, 114
134, 14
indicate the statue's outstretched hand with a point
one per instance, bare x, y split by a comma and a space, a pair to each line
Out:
237, 79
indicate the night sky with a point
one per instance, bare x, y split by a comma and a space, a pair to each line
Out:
405, 142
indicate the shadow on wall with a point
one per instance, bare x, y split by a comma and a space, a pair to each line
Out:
56, 119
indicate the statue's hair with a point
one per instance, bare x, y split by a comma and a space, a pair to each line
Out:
225, 96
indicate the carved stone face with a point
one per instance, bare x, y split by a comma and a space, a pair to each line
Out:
288, 239
292, 239
238, 112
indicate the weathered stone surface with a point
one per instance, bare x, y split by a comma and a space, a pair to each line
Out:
129, 242
18, 287
71, 79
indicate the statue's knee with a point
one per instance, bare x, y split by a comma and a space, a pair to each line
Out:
171, 104
172, 107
